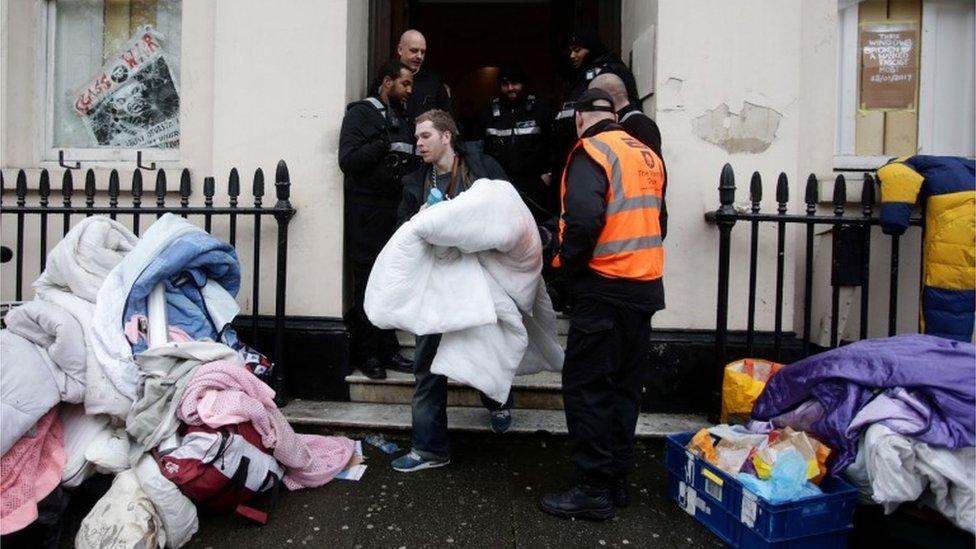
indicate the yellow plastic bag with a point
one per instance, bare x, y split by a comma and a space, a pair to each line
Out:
701, 445
742, 384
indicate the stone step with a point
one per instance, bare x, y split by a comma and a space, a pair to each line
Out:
362, 415
538, 391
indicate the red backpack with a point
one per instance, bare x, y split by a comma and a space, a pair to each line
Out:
222, 469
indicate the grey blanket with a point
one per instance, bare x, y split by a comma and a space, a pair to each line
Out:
166, 370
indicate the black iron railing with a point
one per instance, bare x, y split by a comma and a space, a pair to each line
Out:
282, 212
850, 258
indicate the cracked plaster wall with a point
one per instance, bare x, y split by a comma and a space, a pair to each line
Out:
751, 83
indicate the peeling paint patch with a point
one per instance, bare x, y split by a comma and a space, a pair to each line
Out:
670, 97
751, 131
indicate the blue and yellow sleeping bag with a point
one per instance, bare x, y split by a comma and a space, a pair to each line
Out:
948, 186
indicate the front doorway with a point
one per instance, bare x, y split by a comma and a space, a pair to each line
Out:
468, 40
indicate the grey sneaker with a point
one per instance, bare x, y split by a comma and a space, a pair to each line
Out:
412, 461
500, 421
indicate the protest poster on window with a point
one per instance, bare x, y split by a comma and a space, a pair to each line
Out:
889, 66
132, 102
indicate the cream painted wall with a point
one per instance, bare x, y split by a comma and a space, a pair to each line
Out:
261, 81
777, 55
280, 92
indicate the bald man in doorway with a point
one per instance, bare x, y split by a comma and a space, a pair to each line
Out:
429, 92
640, 126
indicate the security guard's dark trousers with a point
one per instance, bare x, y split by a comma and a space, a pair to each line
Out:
368, 228
607, 354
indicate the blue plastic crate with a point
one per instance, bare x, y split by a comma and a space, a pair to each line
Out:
742, 519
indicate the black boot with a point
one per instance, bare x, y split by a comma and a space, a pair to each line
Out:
621, 495
373, 369
401, 363
583, 501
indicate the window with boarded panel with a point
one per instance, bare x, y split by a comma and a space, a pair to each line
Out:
889, 37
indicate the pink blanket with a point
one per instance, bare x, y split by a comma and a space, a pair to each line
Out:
29, 471
223, 393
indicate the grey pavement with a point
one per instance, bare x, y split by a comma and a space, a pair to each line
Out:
487, 497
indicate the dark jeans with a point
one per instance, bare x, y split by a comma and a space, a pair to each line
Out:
429, 406
607, 355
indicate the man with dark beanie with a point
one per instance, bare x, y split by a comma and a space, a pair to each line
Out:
589, 58
513, 129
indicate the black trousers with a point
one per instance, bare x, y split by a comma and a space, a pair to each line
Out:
367, 229
607, 356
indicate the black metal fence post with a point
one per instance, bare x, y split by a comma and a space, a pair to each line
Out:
21, 190
867, 205
811, 197
67, 188
840, 198
44, 190
755, 195
136, 198
283, 214
782, 198
725, 218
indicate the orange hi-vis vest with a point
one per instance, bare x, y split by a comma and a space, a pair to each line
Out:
630, 244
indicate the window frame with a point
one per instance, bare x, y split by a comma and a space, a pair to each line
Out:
847, 91
91, 156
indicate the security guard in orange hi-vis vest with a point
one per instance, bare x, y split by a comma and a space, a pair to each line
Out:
610, 249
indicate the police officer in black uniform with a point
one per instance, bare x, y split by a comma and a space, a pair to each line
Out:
513, 129
589, 58
376, 149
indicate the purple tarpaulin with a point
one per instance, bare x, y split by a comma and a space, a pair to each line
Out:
940, 374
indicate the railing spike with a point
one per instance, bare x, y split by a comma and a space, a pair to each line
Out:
67, 187
137, 183
160, 184
282, 182
90, 186
867, 195
234, 185
755, 191
726, 186
257, 189
840, 194
44, 186
782, 192
113, 186
21, 187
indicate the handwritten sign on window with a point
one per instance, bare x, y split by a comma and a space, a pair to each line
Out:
889, 66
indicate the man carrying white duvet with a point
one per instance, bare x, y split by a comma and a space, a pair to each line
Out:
449, 169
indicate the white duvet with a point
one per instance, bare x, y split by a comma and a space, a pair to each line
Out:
892, 469
470, 269
75, 271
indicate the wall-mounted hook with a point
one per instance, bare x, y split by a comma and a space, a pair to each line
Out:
151, 166
67, 166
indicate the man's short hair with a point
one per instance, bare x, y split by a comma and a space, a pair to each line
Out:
391, 68
441, 120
